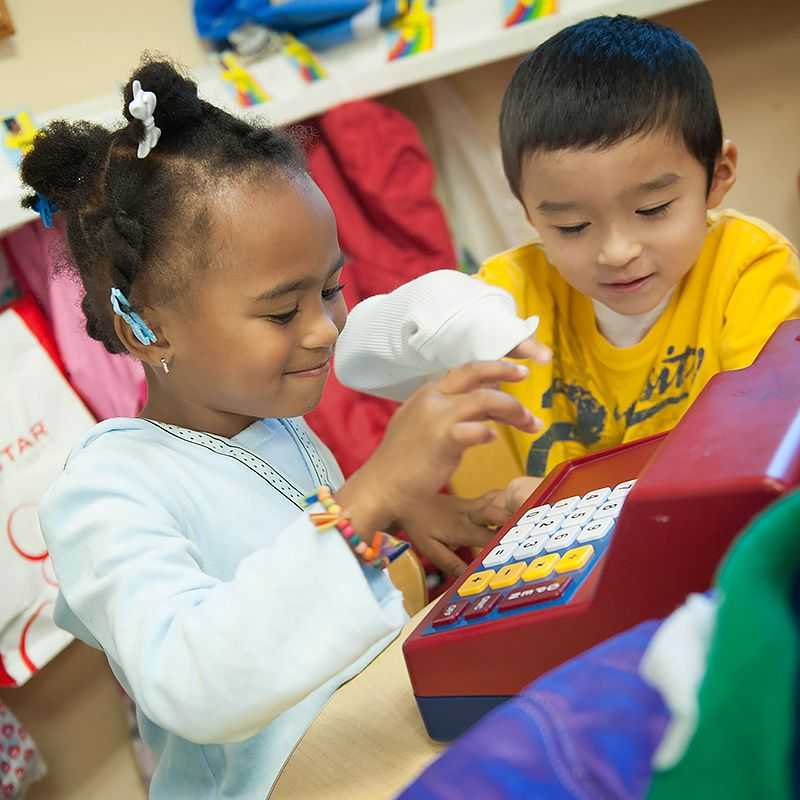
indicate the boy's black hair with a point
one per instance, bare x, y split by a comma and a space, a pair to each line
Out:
603, 80
137, 224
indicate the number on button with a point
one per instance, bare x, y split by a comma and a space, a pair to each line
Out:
594, 498
609, 509
566, 505
530, 547
534, 514
596, 529
564, 538
498, 555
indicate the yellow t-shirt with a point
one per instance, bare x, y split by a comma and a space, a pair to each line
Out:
594, 395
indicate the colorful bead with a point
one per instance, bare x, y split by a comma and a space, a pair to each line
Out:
334, 517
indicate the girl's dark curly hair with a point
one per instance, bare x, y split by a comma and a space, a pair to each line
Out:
142, 225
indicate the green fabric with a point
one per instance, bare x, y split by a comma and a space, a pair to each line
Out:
742, 746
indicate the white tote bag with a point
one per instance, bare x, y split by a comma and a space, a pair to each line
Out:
41, 419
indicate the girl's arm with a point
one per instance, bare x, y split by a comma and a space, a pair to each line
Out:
215, 660
210, 660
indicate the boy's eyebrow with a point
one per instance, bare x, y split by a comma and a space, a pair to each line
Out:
294, 286
553, 206
661, 182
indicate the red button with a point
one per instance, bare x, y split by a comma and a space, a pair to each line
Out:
482, 606
535, 593
450, 613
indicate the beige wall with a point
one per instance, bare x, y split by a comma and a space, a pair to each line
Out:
65, 51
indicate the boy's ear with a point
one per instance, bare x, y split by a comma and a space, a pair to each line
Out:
149, 354
724, 174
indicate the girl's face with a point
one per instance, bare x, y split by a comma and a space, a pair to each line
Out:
256, 334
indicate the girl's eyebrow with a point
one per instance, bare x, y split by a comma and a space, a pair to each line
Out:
299, 285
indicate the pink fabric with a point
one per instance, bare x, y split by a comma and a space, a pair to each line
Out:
111, 385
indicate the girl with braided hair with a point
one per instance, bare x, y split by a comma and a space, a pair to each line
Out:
184, 541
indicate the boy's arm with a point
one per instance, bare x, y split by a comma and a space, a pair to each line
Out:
767, 294
395, 342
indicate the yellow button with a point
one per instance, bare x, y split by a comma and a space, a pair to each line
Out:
508, 576
576, 558
476, 582
540, 567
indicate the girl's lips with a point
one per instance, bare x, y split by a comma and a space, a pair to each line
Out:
313, 372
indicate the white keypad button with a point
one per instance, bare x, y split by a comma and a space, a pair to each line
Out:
530, 548
565, 506
622, 490
499, 555
517, 533
594, 498
564, 538
596, 529
609, 509
578, 517
534, 514
549, 525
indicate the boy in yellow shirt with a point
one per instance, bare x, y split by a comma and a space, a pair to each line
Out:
612, 142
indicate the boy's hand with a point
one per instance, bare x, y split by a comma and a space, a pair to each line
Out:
442, 523
516, 493
531, 349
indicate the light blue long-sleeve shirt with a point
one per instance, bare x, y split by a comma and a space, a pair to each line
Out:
222, 611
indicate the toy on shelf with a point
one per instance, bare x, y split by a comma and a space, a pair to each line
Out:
413, 33
308, 65
18, 135
249, 91
518, 11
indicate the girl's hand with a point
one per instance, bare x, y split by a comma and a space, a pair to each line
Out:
426, 438
440, 524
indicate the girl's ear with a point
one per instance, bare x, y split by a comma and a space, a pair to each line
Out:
724, 174
149, 354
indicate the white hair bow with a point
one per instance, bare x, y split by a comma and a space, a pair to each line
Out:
142, 107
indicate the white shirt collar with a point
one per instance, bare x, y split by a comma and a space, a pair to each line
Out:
626, 330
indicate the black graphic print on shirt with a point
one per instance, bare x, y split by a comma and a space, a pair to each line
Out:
667, 384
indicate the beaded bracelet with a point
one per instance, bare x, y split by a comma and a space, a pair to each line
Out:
380, 552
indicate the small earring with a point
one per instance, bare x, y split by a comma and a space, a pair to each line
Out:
165, 365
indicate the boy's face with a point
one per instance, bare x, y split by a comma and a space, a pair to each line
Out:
623, 224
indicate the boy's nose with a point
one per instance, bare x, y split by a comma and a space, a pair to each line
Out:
618, 250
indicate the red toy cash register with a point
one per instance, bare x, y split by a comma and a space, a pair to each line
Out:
609, 540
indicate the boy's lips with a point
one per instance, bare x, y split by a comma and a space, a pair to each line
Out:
631, 285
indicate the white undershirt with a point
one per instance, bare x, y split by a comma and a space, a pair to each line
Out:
626, 330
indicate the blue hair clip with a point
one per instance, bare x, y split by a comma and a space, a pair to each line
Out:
122, 308
45, 209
